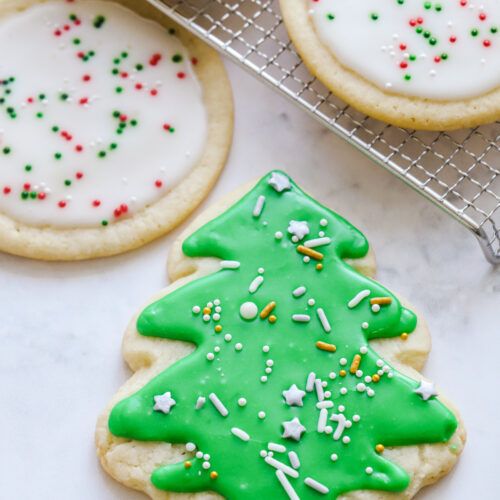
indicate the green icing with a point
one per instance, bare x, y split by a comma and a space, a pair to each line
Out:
394, 415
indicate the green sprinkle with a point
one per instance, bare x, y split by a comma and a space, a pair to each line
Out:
119, 90
104, 223
39, 114
55, 128
407, 77
133, 122
330, 16
76, 41
177, 58
139, 67
113, 145
99, 21
28, 168
474, 32
116, 114
67, 182
24, 195
101, 154
6, 150
374, 16
57, 156
33, 195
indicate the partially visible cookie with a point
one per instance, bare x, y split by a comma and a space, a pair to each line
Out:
114, 125
422, 65
302, 379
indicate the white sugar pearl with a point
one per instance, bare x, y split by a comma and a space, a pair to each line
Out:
217, 302
306, 259
260, 270
343, 361
321, 234
328, 429
278, 235
261, 414
206, 465
206, 457
361, 387
323, 222
263, 378
210, 305
369, 470
206, 317
375, 308
268, 370
380, 363
332, 375
295, 239
363, 350
370, 393
228, 337
242, 401
265, 348
364, 325
216, 348
311, 302
328, 394
356, 418
248, 310
216, 317
346, 439
334, 457
196, 309
341, 408
218, 309
359, 373
190, 447
199, 454
238, 346
269, 362
368, 379
263, 453
210, 356
343, 391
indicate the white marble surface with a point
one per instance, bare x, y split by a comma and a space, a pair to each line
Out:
61, 324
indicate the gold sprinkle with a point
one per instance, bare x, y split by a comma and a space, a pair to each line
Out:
207, 310
355, 363
404, 336
214, 475
381, 301
376, 378
342, 373
323, 346
379, 448
319, 266
187, 464
310, 252
218, 328
267, 310
272, 318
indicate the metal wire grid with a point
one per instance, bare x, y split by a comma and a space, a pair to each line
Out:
459, 171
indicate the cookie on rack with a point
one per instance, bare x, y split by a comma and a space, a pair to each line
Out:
420, 65
114, 125
275, 367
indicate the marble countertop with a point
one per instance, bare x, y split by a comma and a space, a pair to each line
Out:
62, 324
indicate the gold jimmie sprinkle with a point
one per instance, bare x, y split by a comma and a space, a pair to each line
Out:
310, 252
381, 301
267, 310
355, 364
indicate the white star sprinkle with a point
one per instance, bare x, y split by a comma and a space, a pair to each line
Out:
298, 228
164, 402
293, 396
426, 390
279, 182
293, 429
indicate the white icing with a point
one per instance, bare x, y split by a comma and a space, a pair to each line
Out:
372, 48
148, 160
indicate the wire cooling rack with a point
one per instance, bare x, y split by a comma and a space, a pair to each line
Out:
458, 171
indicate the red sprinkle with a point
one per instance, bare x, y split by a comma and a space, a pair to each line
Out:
181, 75
41, 196
6, 190
61, 204
96, 203
86, 78
79, 175
138, 86
487, 43
26, 186
403, 64
194, 61
154, 92
78, 148
158, 183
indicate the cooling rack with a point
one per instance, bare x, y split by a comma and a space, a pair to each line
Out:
458, 171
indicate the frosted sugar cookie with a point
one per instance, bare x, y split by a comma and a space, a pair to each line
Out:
416, 64
113, 127
302, 379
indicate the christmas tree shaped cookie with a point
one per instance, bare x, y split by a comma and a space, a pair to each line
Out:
416, 64
273, 368
114, 125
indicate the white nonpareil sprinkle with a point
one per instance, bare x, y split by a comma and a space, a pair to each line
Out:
279, 448
369, 470
261, 415
281, 466
265, 348
346, 439
286, 485
323, 320
317, 242
334, 457
364, 325
190, 447
323, 223
294, 459
319, 390
218, 404
229, 264
240, 433
206, 465
196, 309
200, 403
259, 206
301, 318
315, 485
278, 235
210, 356
238, 346
310, 382
255, 284
242, 402
299, 291
228, 337
358, 298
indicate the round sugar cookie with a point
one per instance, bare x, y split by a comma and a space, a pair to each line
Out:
114, 125
421, 65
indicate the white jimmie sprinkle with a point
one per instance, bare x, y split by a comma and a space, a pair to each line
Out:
294, 459
255, 284
240, 433
323, 320
287, 486
323, 416
310, 382
315, 485
358, 298
229, 264
218, 404
301, 318
317, 242
299, 291
319, 389
259, 206
200, 403
279, 448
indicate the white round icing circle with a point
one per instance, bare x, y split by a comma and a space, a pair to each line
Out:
438, 50
249, 310
101, 114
